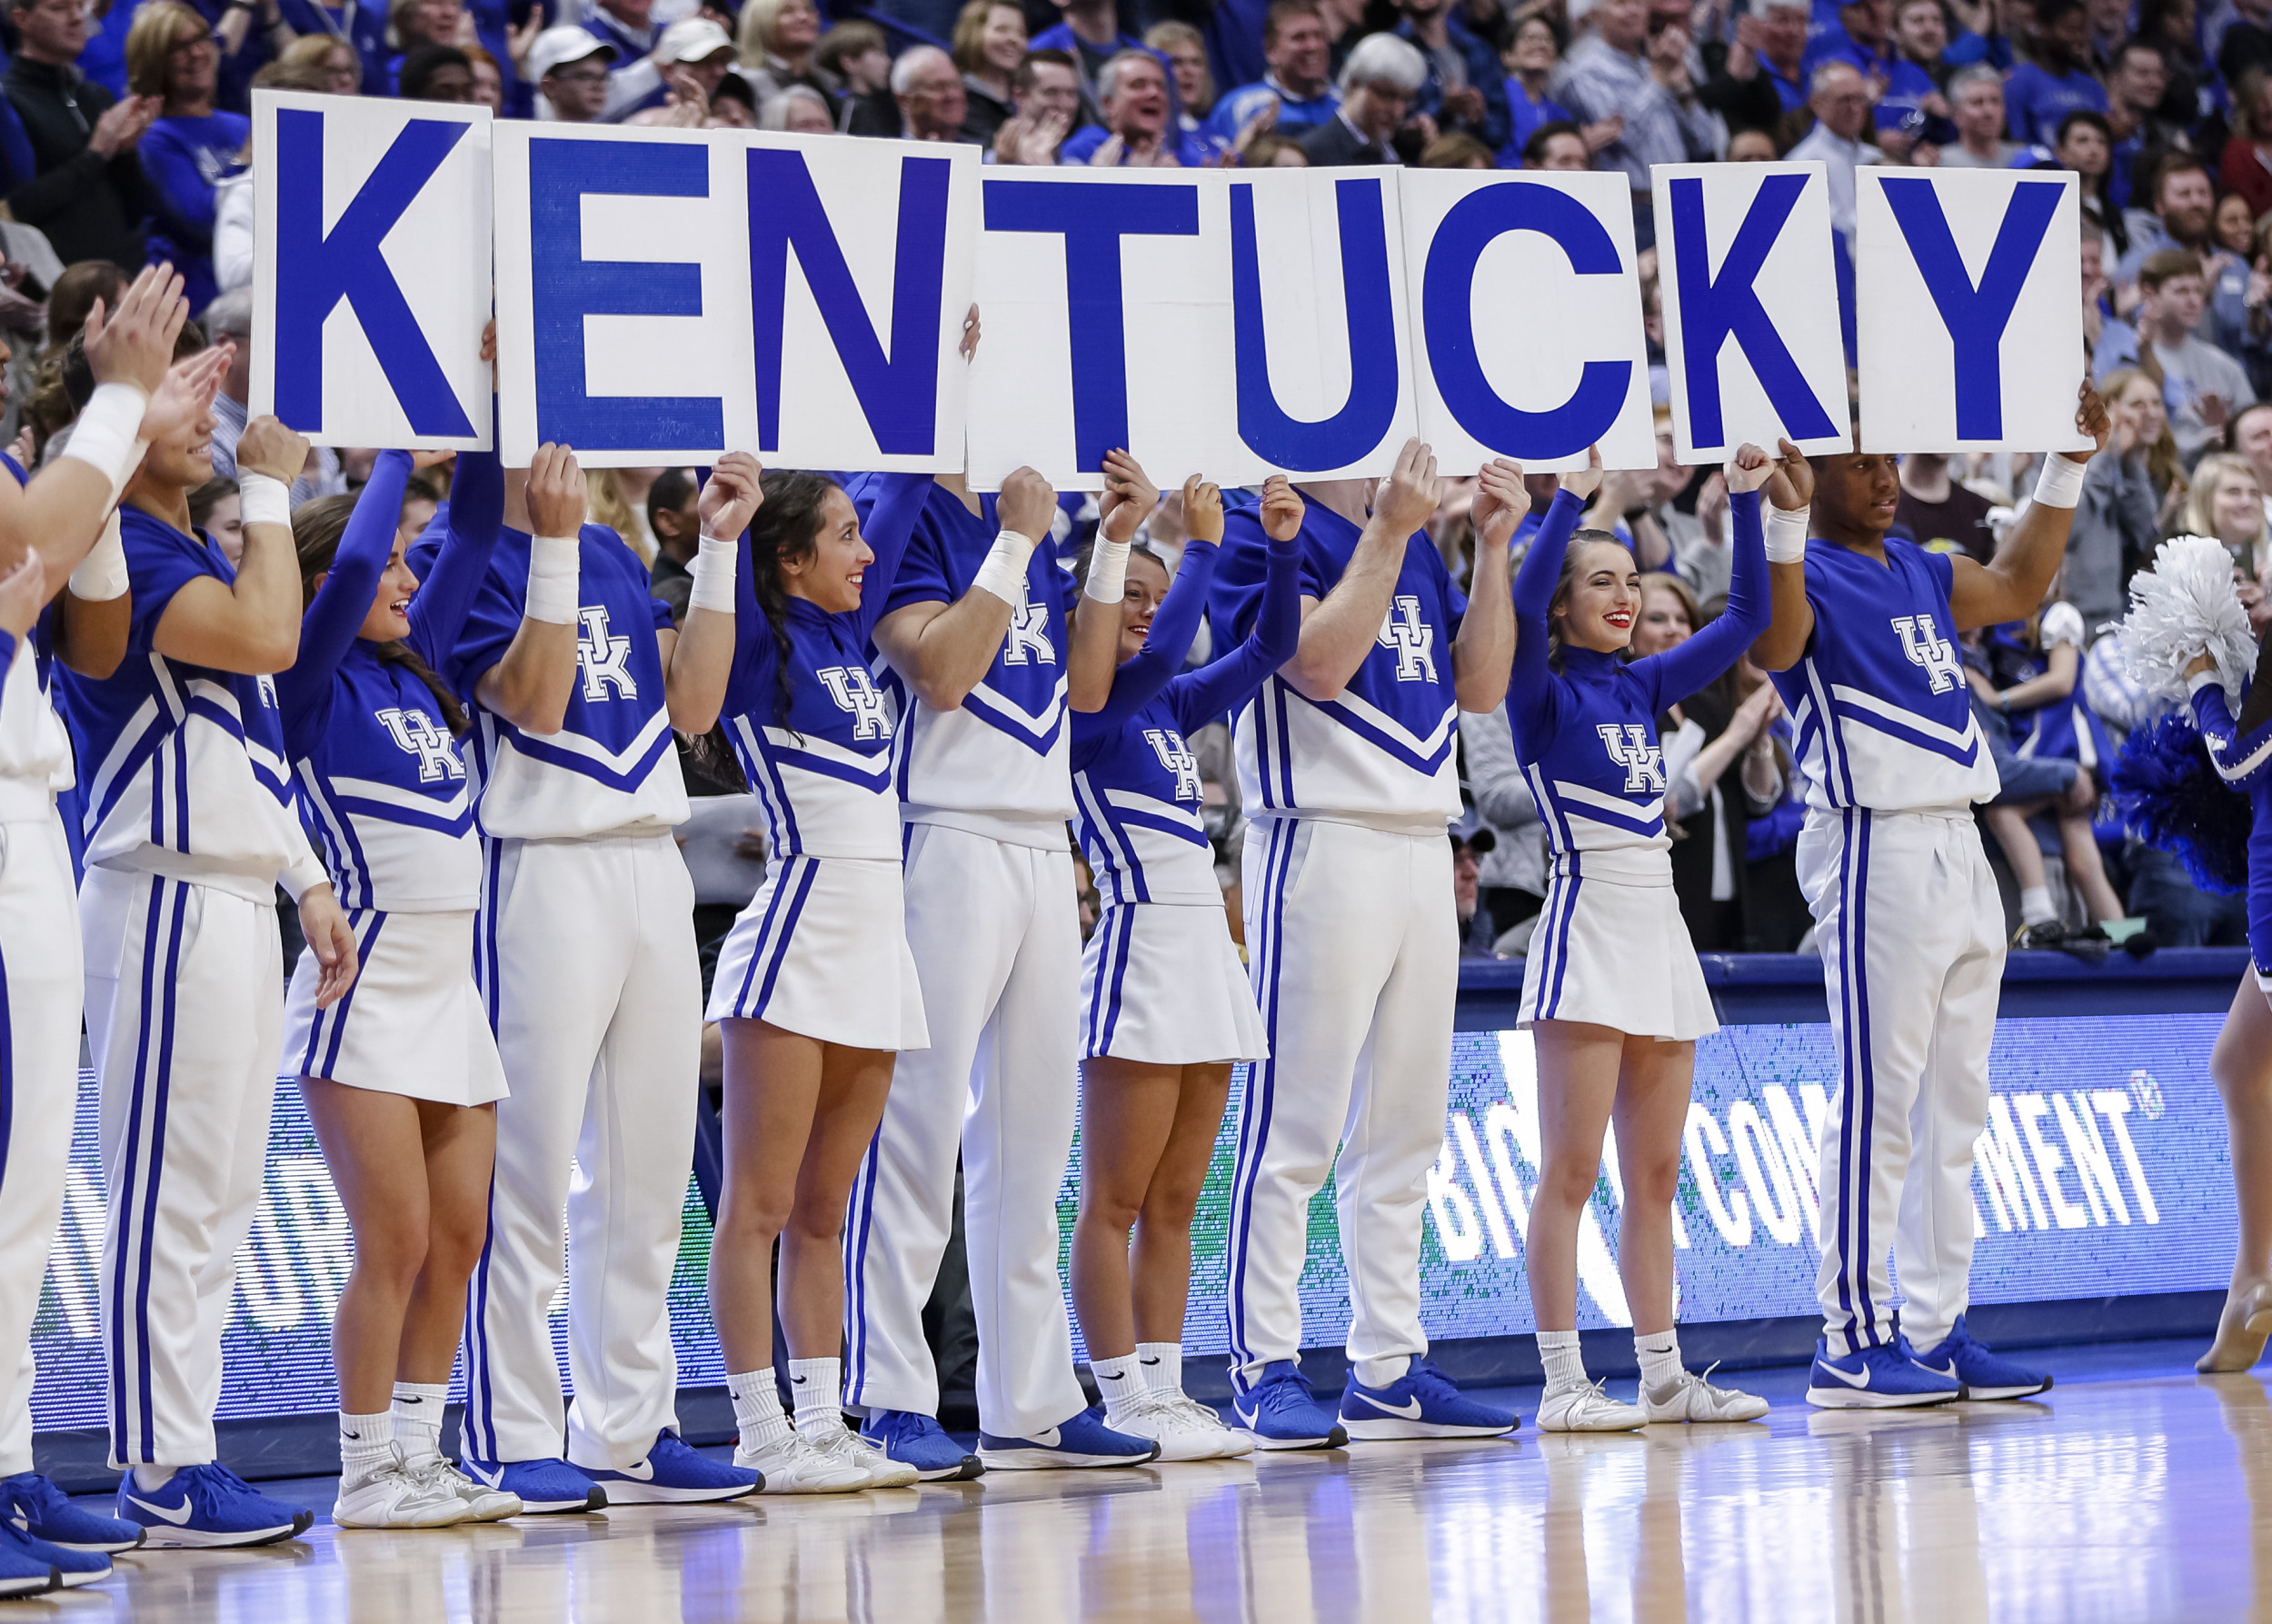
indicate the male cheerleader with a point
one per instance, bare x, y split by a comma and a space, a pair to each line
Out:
975, 634
1862, 647
1345, 765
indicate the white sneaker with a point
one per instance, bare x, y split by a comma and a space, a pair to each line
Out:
1179, 1434
1201, 1418
793, 1466
841, 1444
482, 1503
1588, 1408
1691, 1397
393, 1497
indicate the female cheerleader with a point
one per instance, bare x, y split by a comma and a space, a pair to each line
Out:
1613, 994
400, 1077
1168, 1010
815, 991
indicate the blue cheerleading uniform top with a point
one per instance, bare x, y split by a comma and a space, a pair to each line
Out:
2062, 730
1586, 735
1135, 780
2244, 760
822, 772
382, 787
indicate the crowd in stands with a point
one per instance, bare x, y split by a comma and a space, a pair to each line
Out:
125, 139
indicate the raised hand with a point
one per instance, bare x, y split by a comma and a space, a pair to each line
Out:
1203, 510
186, 393
2092, 418
1026, 505
1748, 469
732, 498
1583, 483
270, 448
556, 494
1501, 502
1283, 509
1407, 498
1792, 484
135, 345
1129, 497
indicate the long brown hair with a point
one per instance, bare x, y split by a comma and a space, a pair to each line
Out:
316, 527
1565, 581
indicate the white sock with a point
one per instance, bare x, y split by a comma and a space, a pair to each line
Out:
149, 1479
757, 1408
1660, 1358
1565, 1365
418, 1418
366, 1442
1120, 1379
1377, 1373
817, 1386
2035, 906
1162, 1365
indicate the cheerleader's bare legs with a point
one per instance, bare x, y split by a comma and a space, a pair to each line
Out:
2241, 1066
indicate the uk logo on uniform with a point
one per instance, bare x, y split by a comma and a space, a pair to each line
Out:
605, 660
414, 731
1177, 758
1928, 649
1029, 632
1412, 638
855, 691
1630, 748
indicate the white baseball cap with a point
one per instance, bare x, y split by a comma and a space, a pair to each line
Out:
557, 47
692, 39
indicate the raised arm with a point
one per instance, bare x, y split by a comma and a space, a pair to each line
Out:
1688, 666
251, 626
1223, 685
531, 685
888, 530
1483, 654
1790, 626
698, 657
328, 628
2012, 586
2240, 750
1093, 669
1530, 686
476, 519
945, 650
1338, 631
1176, 621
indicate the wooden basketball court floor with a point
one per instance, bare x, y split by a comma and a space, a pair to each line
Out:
2136, 1492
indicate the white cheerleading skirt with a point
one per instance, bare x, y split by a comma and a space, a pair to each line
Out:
1615, 953
413, 1024
822, 951
1162, 985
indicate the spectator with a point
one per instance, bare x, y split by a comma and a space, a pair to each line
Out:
1456, 151
1091, 34
930, 92
800, 110
1298, 84
2246, 170
571, 70
2137, 82
2132, 394
1272, 151
855, 57
1841, 110
1858, 39
1617, 70
1556, 146
634, 77
2227, 503
489, 79
412, 25
734, 106
2086, 145
336, 58
1048, 91
171, 59
2201, 384
431, 74
2183, 213
2058, 80
1471, 847
1184, 50
231, 316
2168, 26
2250, 437
1513, 879
677, 530
1530, 64
1466, 88
1976, 108
214, 508
1377, 83
88, 195
246, 36
988, 45
1137, 130
1913, 109
1941, 515
1753, 147
779, 42
1763, 76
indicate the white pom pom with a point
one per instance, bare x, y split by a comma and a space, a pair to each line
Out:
2184, 607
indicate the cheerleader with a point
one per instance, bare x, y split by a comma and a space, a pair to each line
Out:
401, 1076
1613, 994
815, 993
1166, 1008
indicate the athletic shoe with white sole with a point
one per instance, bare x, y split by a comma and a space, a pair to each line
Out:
23, 1572
919, 1440
841, 1443
795, 1465
1588, 1408
73, 1568
36, 1507
1420, 1403
542, 1487
483, 1504
208, 1506
1692, 1398
1179, 1433
673, 1474
1230, 1442
393, 1497
1280, 1412
1886, 1378
1981, 1374
1080, 1440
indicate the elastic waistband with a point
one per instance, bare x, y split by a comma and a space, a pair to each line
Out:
1427, 825
1647, 869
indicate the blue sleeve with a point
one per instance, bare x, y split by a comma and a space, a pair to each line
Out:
160, 562
1221, 686
1684, 668
2241, 758
446, 593
888, 526
491, 623
1173, 625
179, 196
921, 577
1244, 566
327, 631
1531, 694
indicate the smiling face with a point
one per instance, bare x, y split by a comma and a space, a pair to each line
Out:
1137, 109
1003, 42
1664, 619
1602, 602
2142, 410
830, 575
1299, 53
2236, 222
1140, 601
389, 619
1534, 50
2238, 506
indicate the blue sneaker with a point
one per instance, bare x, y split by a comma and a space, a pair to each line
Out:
919, 1440
1083, 1440
1420, 1403
1979, 1372
208, 1505
673, 1474
542, 1487
35, 1506
1886, 1378
24, 1571
72, 1568
1282, 1415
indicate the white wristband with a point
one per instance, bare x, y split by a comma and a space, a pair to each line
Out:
554, 579
101, 576
1786, 534
712, 571
103, 437
1107, 571
262, 500
1003, 572
2061, 485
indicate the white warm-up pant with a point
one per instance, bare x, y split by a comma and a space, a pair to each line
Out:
185, 1015
1352, 940
1912, 936
40, 990
585, 952
995, 929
